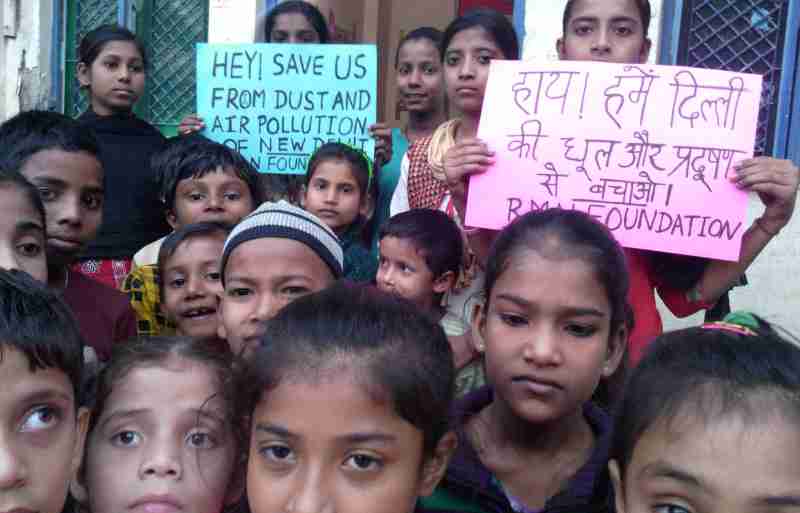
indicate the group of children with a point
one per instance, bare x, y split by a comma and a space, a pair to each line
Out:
242, 367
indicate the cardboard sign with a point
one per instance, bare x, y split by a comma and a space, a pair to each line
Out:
645, 149
277, 103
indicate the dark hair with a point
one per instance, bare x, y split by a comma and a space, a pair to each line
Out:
93, 42
399, 354
10, 179
311, 13
33, 131
429, 33
707, 372
181, 235
494, 23
36, 321
645, 14
194, 156
560, 233
155, 351
433, 234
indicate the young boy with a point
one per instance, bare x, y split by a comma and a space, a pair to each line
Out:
421, 252
200, 181
275, 255
60, 158
42, 422
189, 263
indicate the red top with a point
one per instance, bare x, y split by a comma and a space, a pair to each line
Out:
642, 297
104, 315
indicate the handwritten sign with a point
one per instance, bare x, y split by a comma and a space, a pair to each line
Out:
277, 103
645, 149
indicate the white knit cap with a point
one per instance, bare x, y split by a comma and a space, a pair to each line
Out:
286, 221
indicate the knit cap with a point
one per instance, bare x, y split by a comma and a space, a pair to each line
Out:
286, 221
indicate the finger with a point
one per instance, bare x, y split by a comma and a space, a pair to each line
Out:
746, 180
473, 159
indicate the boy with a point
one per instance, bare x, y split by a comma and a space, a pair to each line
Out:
200, 181
275, 255
42, 423
421, 252
60, 158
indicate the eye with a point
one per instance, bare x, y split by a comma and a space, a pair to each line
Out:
404, 69
126, 439
363, 462
452, 60
136, 68
232, 196
29, 249
239, 292
195, 196
214, 276
177, 283
111, 65
624, 31
276, 453
39, 419
580, 330
407, 269
92, 201
513, 320
347, 189
47, 194
669, 508
484, 59
201, 440
430, 70
308, 38
295, 290
582, 30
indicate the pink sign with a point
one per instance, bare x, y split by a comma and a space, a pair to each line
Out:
645, 149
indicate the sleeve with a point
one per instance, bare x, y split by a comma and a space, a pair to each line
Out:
399, 202
141, 286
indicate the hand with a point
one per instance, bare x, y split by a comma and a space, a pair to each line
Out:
382, 134
776, 183
191, 123
468, 157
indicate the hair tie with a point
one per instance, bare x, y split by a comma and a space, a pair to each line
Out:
741, 323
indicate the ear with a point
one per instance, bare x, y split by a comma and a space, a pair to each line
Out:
444, 282
616, 350
479, 327
84, 75
645, 53
435, 467
76, 486
172, 219
616, 481
560, 49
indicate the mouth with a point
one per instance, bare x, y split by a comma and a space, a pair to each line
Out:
327, 213
199, 313
65, 243
415, 97
467, 91
537, 386
157, 504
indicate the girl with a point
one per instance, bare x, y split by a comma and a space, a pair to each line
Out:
374, 377
711, 422
616, 31
337, 191
111, 68
22, 226
163, 434
420, 86
469, 43
553, 326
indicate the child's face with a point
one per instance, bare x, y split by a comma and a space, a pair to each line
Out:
420, 81
22, 239
293, 28
71, 187
161, 445
334, 196
41, 438
115, 78
547, 336
403, 271
255, 292
342, 451
219, 196
604, 30
192, 285
718, 465
466, 68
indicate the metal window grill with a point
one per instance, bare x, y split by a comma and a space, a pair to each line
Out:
739, 35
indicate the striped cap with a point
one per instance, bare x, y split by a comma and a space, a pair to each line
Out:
286, 221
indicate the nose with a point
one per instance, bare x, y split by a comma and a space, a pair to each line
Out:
124, 73
543, 348
69, 212
13, 471
214, 202
601, 44
8, 258
310, 495
268, 306
467, 68
415, 78
385, 275
161, 460
194, 288
331, 195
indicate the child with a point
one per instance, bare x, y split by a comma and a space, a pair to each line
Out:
60, 158
164, 435
337, 191
190, 279
42, 420
200, 180
275, 255
374, 378
111, 68
420, 257
552, 327
711, 422
22, 226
